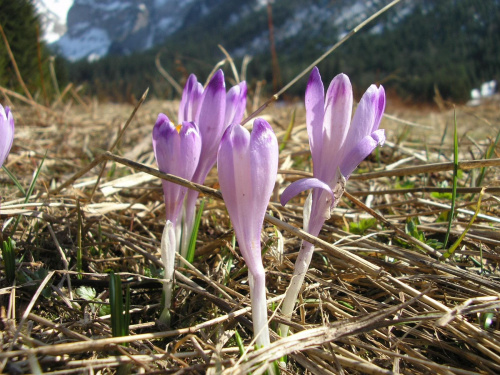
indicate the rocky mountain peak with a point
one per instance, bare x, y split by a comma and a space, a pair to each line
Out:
98, 27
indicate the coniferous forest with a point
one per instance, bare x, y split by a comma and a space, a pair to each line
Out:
448, 44
451, 45
21, 26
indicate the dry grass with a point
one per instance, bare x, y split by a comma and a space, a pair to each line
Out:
377, 300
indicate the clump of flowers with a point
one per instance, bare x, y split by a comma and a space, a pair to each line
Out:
189, 151
177, 151
212, 110
338, 144
247, 165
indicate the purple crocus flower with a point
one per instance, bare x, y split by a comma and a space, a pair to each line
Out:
212, 109
337, 145
247, 165
6, 133
177, 151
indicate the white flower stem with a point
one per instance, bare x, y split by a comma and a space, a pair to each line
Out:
259, 312
299, 272
259, 308
168, 249
316, 211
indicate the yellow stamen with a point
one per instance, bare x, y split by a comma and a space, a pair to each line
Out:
178, 128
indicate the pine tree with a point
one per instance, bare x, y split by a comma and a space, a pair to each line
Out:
21, 26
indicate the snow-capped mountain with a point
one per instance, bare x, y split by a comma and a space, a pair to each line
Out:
53, 17
99, 27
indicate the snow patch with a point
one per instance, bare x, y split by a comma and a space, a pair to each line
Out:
169, 25
53, 15
486, 91
488, 88
105, 6
95, 42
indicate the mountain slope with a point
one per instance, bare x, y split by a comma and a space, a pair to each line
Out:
98, 27
413, 49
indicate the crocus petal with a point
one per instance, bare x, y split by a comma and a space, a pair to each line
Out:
233, 167
338, 110
167, 249
315, 111
177, 152
304, 184
191, 95
264, 154
359, 153
215, 101
211, 123
247, 166
367, 117
380, 108
322, 203
236, 100
6, 133
186, 98
306, 213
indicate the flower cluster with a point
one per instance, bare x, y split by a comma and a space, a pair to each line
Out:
212, 110
189, 150
177, 150
247, 165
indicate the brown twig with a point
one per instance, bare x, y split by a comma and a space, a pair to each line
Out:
118, 138
14, 64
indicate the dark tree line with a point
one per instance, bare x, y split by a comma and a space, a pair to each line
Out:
21, 26
451, 45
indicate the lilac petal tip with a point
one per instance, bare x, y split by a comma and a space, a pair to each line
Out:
240, 137
261, 125
340, 87
243, 87
191, 83
304, 184
217, 82
162, 119
379, 112
315, 111
236, 99
359, 152
314, 79
162, 124
240, 109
